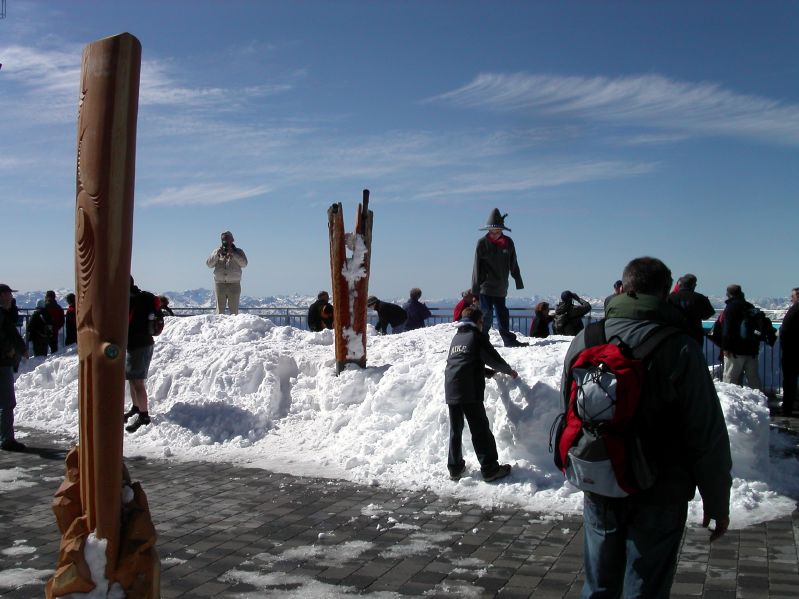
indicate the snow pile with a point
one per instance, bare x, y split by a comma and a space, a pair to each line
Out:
243, 390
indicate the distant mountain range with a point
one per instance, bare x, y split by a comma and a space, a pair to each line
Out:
204, 298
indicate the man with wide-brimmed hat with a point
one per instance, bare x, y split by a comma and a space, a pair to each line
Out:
12, 350
494, 261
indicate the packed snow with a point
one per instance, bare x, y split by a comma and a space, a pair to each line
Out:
241, 389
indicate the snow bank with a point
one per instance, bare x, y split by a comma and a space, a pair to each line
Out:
242, 390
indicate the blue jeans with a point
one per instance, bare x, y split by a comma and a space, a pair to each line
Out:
630, 549
487, 305
8, 401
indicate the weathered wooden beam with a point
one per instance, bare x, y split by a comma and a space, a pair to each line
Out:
350, 282
106, 158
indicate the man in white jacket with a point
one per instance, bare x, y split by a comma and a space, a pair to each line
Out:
227, 262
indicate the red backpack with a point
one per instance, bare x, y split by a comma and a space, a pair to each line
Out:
596, 443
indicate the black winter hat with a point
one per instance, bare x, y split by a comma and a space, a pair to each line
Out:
496, 221
688, 281
566, 296
371, 301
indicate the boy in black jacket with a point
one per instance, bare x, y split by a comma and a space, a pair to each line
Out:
464, 386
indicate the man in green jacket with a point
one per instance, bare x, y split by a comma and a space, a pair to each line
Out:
631, 543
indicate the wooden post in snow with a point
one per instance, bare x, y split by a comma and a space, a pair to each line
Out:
350, 282
90, 501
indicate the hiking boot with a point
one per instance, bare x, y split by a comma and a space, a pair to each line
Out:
12, 445
142, 419
500, 472
458, 474
515, 343
132, 412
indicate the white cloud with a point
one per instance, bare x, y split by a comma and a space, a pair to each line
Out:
204, 194
47, 82
645, 101
549, 174
160, 86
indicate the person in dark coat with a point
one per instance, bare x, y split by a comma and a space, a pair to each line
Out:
145, 308
387, 314
39, 330
464, 387
618, 288
12, 350
316, 320
165, 305
740, 353
541, 319
494, 261
631, 543
56, 313
417, 311
789, 342
695, 306
70, 321
568, 316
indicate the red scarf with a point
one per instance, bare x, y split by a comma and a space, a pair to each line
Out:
500, 241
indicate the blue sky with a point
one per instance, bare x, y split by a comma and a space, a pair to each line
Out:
606, 130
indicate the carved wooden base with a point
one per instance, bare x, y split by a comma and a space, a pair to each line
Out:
137, 569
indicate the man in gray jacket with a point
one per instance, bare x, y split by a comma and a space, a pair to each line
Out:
631, 543
227, 261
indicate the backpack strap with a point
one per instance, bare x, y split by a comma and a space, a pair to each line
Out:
595, 334
652, 341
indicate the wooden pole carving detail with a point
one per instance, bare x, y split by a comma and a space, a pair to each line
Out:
350, 281
90, 508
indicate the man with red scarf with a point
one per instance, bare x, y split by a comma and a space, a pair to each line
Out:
494, 261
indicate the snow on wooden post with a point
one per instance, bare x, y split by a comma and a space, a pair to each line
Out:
99, 525
350, 282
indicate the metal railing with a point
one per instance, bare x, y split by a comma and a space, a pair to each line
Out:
520, 320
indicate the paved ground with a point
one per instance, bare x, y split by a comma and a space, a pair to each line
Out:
226, 532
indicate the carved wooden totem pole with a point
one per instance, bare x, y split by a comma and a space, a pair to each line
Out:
350, 279
91, 500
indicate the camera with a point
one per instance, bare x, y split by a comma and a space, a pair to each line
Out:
225, 245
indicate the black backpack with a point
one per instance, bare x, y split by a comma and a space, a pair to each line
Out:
757, 327
145, 314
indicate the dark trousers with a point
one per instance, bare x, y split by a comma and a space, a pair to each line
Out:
8, 402
482, 440
790, 373
53, 342
40, 347
489, 303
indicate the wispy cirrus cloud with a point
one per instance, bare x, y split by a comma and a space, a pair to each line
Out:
159, 86
649, 101
48, 80
205, 194
553, 173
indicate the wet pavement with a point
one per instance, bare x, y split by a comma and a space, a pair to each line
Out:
226, 531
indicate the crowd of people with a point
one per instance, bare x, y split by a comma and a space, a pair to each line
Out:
631, 541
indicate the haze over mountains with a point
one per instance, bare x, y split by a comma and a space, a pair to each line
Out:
204, 298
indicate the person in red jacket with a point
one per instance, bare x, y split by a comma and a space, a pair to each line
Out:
56, 313
468, 299
70, 321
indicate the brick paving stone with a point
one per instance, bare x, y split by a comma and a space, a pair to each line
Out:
259, 532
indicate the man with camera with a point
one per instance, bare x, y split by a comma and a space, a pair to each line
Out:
227, 262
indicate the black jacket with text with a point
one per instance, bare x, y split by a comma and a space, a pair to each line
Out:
469, 354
